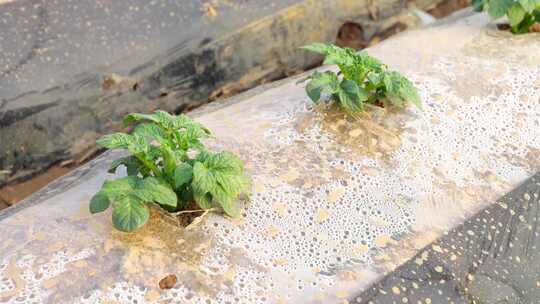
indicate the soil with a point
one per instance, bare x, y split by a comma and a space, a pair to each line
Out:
349, 35
168, 282
448, 7
13, 193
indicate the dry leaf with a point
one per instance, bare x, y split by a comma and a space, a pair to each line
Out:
322, 215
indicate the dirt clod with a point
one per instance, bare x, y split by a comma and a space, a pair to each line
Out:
168, 282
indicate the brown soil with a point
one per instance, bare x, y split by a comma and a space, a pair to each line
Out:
16, 192
447, 7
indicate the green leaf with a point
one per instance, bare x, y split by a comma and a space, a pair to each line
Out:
134, 117
190, 137
478, 5
99, 203
203, 180
129, 213
369, 63
351, 96
528, 5
516, 13
498, 8
115, 141
232, 184
170, 158
132, 164
225, 201
374, 79
138, 145
400, 90
317, 47
313, 91
153, 189
339, 56
162, 118
225, 162
184, 121
150, 131
182, 175
204, 200
524, 25
120, 187
333, 54
321, 82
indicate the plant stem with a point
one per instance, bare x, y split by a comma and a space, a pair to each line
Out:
149, 165
194, 211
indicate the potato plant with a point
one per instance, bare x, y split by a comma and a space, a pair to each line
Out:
522, 14
362, 79
168, 165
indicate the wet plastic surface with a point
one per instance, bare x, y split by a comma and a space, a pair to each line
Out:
491, 258
330, 214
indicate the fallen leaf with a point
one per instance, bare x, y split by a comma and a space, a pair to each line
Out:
336, 194
280, 208
272, 231
322, 215
280, 262
382, 240
209, 10
290, 176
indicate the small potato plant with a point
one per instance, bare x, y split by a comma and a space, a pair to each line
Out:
362, 79
168, 165
523, 15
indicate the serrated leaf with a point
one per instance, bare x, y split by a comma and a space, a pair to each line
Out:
321, 82
115, 141
374, 79
203, 179
336, 58
165, 166
400, 90
138, 144
182, 175
370, 63
498, 8
516, 13
224, 162
129, 214
351, 97
153, 189
184, 121
99, 203
150, 131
